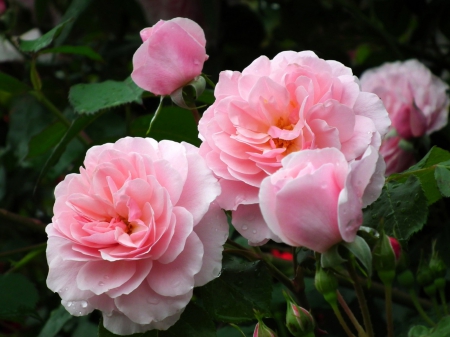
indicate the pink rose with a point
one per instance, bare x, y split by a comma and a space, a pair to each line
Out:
2, 6
315, 200
415, 99
294, 102
134, 232
397, 159
171, 56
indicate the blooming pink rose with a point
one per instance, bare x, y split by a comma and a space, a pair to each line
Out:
294, 102
397, 159
315, 200
171, 56
415, 99
134, 232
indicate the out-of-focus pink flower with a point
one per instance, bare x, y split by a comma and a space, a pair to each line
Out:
294, 102
134, 232
397, 159
2, 6
315, 200
415, 99
172, 54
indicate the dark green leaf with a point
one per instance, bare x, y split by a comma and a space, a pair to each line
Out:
172, 123
442, 329
77, 125
402, 207
11, 84
442, 176
18, 296
57, 319
194, 322
77, 50
46, 139
44, 40
242, 287
331, 258
424, 170
207, 97
90, 98
361, 250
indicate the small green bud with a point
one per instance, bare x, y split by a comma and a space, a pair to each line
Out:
437, 265
424, 275
386, 254
430, 290
406, 278
440, 283
299, 321
326, 284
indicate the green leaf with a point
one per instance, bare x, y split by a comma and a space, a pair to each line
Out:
18, 296
442, 176
207, 97
419, 331
242, 287
43, 41
46, 139
76, 50
90, 98
103, 332
331, 258
194, 322
442, 329
361, 250
172, 123
57, 319
77, 125
424, 170
402, 206
12, 85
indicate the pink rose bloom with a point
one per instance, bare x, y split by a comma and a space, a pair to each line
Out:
294, 102
397, 159
315, 200
171, 56
134, 232
415, 99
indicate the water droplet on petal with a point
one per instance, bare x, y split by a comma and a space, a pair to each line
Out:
79, 312
153, 300
69, 304
254, 231
84, 304
106, 277
101, 284
244, 228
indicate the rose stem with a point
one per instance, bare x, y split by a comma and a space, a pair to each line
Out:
388, 304
22, 220
444, 303
419, 308
21, 250
348, 311
155, 116
361, 298
341, 320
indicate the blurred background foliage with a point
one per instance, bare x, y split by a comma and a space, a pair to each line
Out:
97, 45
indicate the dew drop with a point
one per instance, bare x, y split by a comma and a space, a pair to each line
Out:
152, 300
251, 217
69, 304
79, 312
244, 228
106, 277
254, 231
101, 284
84, 304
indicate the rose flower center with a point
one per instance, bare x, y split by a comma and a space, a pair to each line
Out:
289, 145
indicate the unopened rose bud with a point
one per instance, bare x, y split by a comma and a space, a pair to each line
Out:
424, 275
299, 321
326, 284
262, 330
386, 254
406, 278
439, 270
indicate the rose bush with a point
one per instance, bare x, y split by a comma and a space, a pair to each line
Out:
294, 102
315, 199
172, 54
134, 232
415, 99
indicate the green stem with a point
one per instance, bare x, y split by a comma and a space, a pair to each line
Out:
208, 80
361, 298
299, 287
155, 116
21, 250
444, 302
388, 304
436, 306
419, 308
351, 316
342, 321
22, 220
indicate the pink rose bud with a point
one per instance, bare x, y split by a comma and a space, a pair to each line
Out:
292, 103
299, 321
396, 248
262, 330
315, 199
134, 232
415, 99
396, 156
386, 255
172, 54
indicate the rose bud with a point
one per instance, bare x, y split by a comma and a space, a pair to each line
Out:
262, 330
171, 56
326, 284
386, 254
299, 321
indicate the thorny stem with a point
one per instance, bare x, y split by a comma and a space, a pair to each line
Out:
361, 298
351, 316
342, 321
